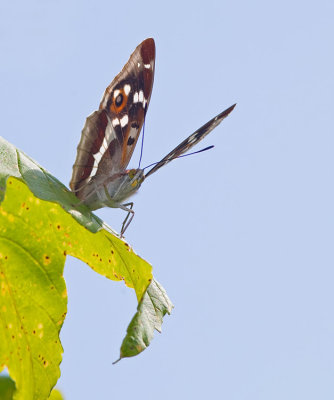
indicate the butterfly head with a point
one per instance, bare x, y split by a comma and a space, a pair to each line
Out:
136, 177
125, 185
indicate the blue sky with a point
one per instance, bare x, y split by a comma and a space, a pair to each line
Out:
241, 236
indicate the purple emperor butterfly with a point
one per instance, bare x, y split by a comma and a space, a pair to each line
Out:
100, 178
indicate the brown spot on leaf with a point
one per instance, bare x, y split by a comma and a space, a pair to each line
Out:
47, 260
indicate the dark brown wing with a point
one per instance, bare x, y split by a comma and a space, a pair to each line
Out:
111, 133
192, 140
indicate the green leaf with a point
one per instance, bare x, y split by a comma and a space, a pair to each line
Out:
40, 223
7, 388
56, 395
150, 312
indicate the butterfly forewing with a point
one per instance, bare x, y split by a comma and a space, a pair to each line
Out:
127, 97
192, 140
111, 133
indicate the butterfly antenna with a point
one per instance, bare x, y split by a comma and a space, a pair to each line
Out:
183, 155
195, 152
142, 144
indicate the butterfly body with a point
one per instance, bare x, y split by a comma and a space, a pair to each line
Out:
114, 190
100, 178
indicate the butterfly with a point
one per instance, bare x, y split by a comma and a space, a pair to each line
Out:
100, 178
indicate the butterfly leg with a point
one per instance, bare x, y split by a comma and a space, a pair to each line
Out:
129, 216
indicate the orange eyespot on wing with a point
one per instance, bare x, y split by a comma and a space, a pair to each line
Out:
119, 99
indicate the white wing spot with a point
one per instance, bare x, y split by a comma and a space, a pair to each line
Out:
135, 97
138, 65
147, 66
115, 122
97, 158
104, 146
141, 96
104, 143
116, 93
192, 139
124, 121
127, 89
